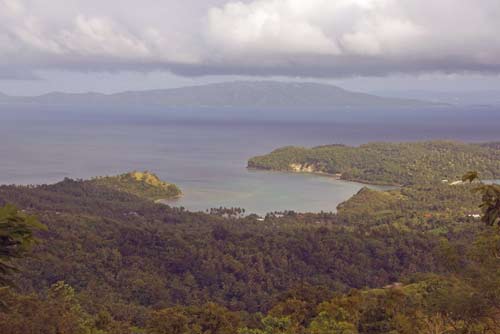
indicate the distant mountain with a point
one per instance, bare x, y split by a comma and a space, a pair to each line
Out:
240, 94
459, 98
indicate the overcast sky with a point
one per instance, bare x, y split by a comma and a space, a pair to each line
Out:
113, 45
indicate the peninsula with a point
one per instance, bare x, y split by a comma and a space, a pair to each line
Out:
141, 184
387, 163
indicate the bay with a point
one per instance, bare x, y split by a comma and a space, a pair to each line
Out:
206, 159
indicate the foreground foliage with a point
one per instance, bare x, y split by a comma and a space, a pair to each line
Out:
416, 259
123, 264
16, 238
490, 196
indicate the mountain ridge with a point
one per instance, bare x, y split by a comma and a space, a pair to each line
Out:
243, 94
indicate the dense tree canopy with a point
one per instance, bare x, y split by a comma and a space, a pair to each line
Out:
142, 184
416, 259
388, 163
16, 237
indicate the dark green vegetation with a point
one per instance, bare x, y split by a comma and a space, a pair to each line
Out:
141, 184
388, 163
412, 260
490, 199
16, 238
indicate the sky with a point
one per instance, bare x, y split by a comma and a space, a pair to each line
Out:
367, 45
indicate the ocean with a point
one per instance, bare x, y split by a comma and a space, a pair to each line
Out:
205, 158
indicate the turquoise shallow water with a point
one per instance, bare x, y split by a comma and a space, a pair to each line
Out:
261, 192
206, 159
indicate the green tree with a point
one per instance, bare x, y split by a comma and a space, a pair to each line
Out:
16, 237
490, 199
205, 319
272, 325
324, 324
168, 321
59, 312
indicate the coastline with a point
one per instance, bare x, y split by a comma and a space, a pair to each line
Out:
173, 198
325, 174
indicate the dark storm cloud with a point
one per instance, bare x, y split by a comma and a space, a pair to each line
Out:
314, 38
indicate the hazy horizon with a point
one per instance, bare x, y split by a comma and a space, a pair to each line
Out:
368, 46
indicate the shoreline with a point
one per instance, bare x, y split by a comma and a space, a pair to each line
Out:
160, 200
330, 175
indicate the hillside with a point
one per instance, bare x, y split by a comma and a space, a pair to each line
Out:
141, 184
238, 94
184, 257
388, 163
123, 264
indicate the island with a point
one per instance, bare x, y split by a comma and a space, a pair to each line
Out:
142, 184
387, 163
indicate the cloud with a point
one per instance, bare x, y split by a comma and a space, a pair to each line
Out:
316, 38
354, 37
263, 28
69, 35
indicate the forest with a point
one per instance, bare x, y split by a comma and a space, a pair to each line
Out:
142, 184
388, 163
92, 257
